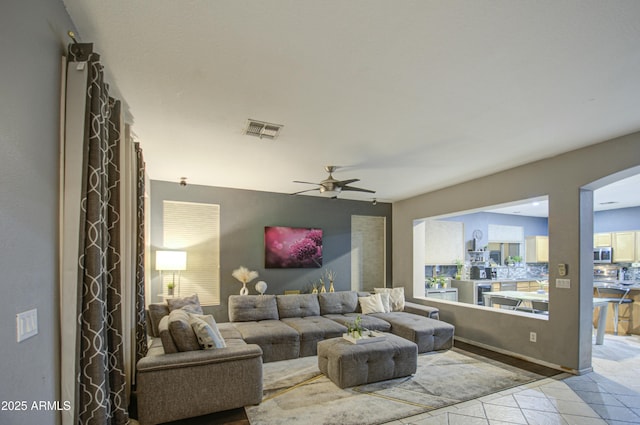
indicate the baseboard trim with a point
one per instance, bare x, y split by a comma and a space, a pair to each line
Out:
525, 358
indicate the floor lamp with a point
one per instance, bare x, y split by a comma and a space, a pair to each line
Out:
174, 261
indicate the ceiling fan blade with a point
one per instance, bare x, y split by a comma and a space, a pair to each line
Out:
303, 191
346, 182
298, 181
357, 189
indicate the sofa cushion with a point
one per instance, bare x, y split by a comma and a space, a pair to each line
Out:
313, 329
228, 331
191, 303
302, 305
165, 336
368, 322
371, 304
248, 308
338, 302
181, 332
277, 340
396, 297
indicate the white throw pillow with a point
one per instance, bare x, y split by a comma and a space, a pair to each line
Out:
371, 304
386, 301
396, 297
207, 331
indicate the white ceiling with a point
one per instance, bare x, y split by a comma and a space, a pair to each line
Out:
407, 96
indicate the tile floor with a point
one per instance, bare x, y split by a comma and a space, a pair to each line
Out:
608, 395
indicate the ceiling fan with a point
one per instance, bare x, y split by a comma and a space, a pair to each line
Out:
332, 185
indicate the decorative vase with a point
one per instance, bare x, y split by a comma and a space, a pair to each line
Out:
261, 287
315, 290
331, 287
244, 290
170, 292
323, 289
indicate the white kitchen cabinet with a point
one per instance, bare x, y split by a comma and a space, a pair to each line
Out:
444, 242
502, 233
537, 249
637, 247
624, 247
601, 239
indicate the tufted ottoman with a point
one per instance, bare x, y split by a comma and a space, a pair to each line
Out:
347, 364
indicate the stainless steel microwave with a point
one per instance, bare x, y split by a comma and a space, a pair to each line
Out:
603, 254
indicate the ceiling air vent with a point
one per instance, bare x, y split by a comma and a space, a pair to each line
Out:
263, 130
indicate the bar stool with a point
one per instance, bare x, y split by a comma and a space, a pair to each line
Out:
615, 297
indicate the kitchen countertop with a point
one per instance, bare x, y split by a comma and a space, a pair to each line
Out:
530, 279
626, 284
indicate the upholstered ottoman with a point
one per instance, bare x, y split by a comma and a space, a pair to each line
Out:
428, 334
348, 365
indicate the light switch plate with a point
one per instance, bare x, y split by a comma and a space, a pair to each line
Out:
27, 324
563, 283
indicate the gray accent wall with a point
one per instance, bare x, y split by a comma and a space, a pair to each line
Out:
568, 179
32, 42
243, 217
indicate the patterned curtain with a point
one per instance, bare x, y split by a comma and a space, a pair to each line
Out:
102, 387
141, 329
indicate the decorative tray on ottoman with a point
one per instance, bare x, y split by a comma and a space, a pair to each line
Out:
367, 337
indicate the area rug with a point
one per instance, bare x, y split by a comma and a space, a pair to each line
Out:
295, 392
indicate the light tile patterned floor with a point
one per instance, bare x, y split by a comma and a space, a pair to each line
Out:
608, 395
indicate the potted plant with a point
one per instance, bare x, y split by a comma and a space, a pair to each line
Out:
170, 287
355, 330
437, 282
459, 266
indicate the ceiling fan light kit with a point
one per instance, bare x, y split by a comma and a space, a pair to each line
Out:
332, 185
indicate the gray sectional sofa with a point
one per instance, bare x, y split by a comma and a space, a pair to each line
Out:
177, 379
290, 326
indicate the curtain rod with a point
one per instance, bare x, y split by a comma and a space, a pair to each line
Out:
79, 51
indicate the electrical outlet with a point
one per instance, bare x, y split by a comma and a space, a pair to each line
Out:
533, 337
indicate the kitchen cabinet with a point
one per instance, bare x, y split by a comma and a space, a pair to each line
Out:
449, 294
537, 249
601, 239
502, 233
444, 242
624, 247
638, 247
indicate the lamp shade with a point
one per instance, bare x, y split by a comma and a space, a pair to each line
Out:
171, 260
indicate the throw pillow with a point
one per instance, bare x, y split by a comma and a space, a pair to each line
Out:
182, 332
396, 296
207, 338
191, 303
386, 301
371, 304
208, 318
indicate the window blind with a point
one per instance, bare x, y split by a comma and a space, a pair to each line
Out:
194, 228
